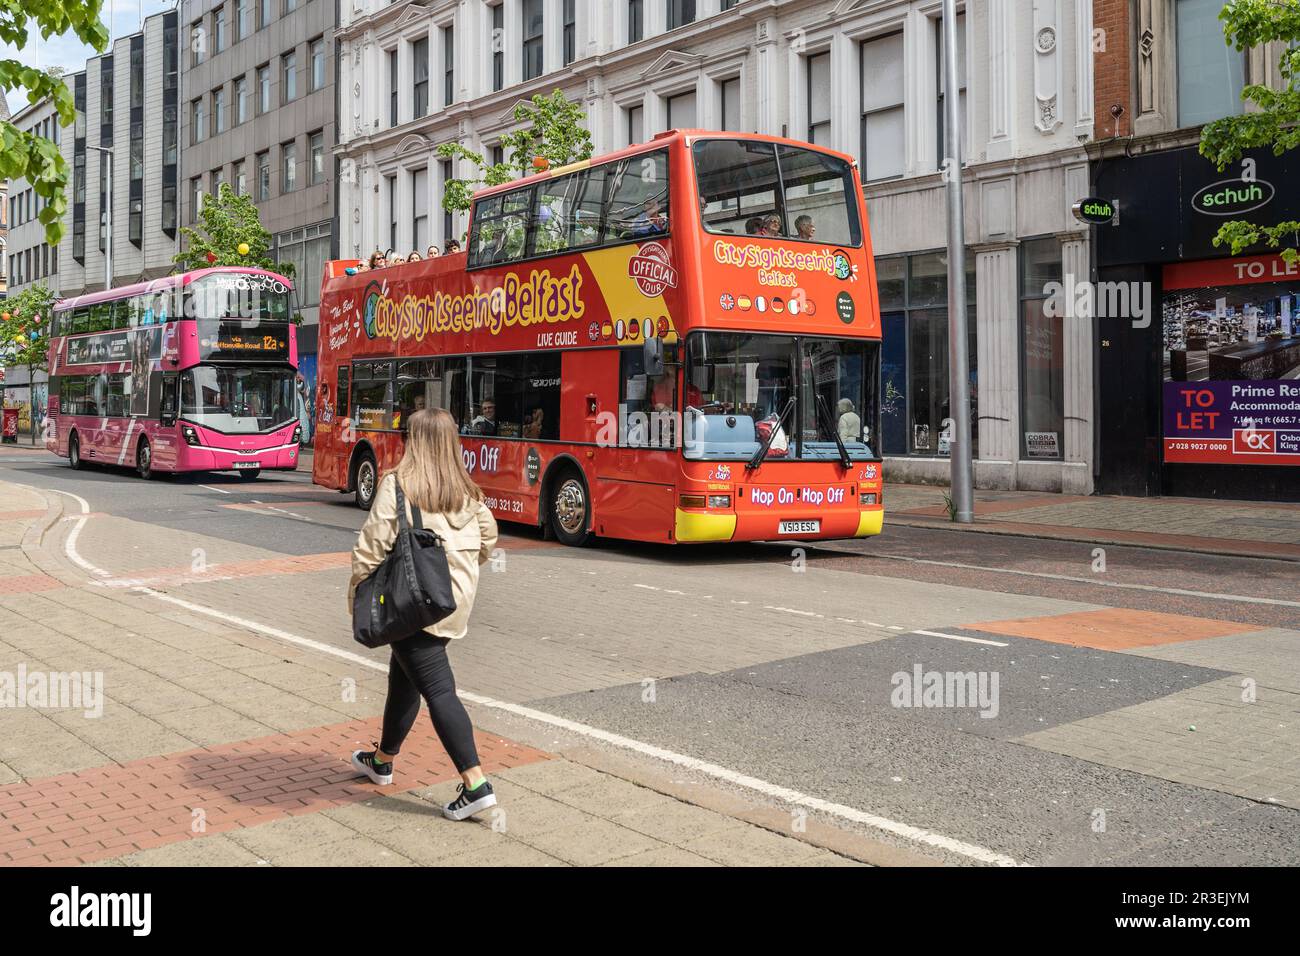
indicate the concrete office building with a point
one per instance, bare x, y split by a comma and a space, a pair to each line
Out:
125, 101
861, 76
28, 257
258, 113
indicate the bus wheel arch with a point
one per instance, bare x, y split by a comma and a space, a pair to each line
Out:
363, 475
565, 509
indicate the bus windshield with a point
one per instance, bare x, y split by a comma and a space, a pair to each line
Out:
776, 191
803, 394
234, 295
238, 400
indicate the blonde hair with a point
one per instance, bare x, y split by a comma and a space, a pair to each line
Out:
432, 472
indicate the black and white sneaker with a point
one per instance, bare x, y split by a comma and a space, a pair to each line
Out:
363, 761
470, 802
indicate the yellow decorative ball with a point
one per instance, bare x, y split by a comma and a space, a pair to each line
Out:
243, 248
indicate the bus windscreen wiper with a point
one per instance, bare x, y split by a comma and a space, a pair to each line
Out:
829, 424
767, 442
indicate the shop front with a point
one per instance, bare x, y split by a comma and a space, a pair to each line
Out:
1199, 389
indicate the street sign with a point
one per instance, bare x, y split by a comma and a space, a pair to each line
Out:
1094, 211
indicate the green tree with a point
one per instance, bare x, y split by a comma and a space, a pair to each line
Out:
226, 222
25, 335
1274, 124
552, 132
23, 154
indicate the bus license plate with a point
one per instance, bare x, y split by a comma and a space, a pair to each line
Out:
812, 526
247, 464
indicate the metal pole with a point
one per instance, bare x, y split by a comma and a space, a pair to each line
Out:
108, 222
963, 495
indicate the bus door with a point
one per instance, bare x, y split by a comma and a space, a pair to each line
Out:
166, 441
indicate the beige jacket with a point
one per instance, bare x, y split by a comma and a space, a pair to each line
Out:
468, 535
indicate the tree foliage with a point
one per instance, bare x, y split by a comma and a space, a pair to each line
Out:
552, 131
22, 154
25, 327
1274, 124
226, 221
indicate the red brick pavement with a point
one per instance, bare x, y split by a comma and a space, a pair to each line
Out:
118, 809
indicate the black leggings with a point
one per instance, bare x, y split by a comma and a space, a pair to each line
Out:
419, 668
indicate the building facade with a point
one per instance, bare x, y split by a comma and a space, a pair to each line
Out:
258, 114
28, 257
124, 100
861, 76
1199, 389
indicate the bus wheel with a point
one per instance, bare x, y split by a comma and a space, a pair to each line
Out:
249, 474
367, 481
74, 452
144, 459
570, 511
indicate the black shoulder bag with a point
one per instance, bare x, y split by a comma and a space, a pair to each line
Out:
410, 590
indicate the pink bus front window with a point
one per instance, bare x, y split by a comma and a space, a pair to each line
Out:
238, 400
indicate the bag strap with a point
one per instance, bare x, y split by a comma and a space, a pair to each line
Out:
416, 518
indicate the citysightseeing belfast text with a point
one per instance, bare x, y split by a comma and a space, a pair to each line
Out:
540, 297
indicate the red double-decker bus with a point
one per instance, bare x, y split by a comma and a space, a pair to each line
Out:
678, 342
189, 372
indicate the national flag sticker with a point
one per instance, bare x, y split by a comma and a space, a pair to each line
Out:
760, 303
727, 301
743, 303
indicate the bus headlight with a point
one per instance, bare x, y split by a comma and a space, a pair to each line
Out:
719, 501
869, 498
190, 435
297, 434
691, 501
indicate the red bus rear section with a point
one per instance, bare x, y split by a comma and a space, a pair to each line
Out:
657, 345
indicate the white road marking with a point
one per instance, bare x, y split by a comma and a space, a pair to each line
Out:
70, 545
958, 637
218, 490
1182, 592
774, 791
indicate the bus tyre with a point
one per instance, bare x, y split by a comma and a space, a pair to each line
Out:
144, 459
570, 509
249, 474
366, 481
74, 452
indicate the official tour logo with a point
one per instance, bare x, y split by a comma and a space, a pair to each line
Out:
652, 270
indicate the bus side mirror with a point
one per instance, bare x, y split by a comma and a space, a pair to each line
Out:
654, 356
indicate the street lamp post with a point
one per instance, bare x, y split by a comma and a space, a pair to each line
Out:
963, 495
108, 216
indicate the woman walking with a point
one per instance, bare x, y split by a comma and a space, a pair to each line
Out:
433, 479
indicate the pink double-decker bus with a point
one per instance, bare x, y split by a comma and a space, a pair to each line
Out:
190, 372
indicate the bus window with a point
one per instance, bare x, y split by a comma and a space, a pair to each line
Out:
638, 202
757, 189
739, 186
342, 391
81, 320
500, 228
372, 395
817, 188
419, 386
541, 395
588, 214
649, 402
